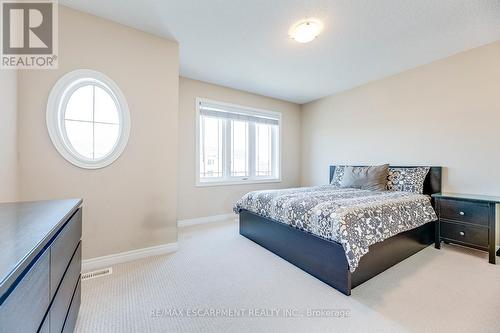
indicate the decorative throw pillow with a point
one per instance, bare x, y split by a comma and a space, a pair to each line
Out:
407, 179
373, 178
337, 175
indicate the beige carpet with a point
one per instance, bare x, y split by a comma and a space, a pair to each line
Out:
452, 290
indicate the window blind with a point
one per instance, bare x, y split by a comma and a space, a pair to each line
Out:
234, 113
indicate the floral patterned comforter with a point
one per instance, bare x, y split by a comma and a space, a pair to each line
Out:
352, 217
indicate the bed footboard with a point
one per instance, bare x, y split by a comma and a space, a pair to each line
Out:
317, 256
326, 259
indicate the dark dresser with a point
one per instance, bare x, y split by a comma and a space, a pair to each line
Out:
468, 220
40, 265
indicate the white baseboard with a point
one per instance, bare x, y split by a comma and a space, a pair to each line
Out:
206, 219
92, 264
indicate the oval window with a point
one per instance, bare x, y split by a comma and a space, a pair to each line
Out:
88, 119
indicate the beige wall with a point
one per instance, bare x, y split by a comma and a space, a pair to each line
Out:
132, 203
8, 136
207, 201
445, 113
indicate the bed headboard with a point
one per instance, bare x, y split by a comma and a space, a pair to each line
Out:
432, 183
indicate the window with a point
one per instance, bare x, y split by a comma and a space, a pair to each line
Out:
88, 119
236, 144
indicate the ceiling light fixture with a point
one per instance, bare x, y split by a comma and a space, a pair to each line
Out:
306, 30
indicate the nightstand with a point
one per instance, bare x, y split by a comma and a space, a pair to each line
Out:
468, 220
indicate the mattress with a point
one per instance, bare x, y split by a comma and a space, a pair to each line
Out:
354, 218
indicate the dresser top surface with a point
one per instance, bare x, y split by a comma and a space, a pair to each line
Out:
25, 228
472, 197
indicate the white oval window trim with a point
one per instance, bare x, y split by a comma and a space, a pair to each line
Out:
56, 108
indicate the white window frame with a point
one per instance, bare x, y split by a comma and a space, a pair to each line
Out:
56, 107
229, 180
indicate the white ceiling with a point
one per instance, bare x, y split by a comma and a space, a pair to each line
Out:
244, 44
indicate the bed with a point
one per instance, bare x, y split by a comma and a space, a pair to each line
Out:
327, 256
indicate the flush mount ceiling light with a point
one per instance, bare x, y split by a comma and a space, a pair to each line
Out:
306, 30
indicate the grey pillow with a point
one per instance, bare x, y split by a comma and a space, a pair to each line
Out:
373, 178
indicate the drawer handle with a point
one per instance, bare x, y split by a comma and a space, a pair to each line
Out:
462, 233
462, 213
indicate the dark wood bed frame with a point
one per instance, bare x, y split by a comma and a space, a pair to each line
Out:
326, 259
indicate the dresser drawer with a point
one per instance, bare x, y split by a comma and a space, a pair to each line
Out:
45, 328
24, 308
62, 299
69, 325
63, 248
465, 211
465, 233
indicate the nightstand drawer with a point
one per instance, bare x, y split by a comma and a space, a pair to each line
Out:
465, 233
471, 212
